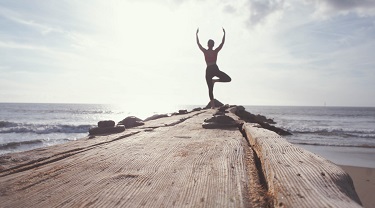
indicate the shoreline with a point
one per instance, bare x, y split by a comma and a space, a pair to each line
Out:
346, 156
364, 183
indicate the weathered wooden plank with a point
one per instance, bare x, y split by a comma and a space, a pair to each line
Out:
297, 177
178, 165
41, 155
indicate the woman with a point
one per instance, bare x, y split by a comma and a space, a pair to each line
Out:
212, 69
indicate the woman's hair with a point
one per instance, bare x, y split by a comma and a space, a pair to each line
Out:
210, 43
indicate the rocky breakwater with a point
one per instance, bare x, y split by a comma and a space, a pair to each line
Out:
110, 127
259, 119
221, 120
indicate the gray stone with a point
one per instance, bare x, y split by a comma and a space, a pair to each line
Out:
182, 112
104, 124
156, 116
131, 121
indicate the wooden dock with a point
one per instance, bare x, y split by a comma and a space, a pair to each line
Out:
174, 162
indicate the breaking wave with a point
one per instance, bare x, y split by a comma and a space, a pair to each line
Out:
370, 134
334, 145
15, 145
10, 127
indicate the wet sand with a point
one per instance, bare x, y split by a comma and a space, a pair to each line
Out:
364, 183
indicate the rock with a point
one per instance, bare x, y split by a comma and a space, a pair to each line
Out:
219, 122
220, 119
264, 119
156, 116
182, 112
220, 113
224, 108
197, 109
217, 104
106, 130
104, 124
259, 119
240, 108
131, 121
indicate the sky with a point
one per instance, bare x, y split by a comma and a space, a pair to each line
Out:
277, 52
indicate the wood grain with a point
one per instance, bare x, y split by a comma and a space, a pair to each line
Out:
176, 165
297, 177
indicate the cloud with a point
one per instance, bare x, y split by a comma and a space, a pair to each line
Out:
260, 10
20, 19
335, 7
229, 9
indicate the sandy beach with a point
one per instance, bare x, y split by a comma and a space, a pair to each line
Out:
364, 183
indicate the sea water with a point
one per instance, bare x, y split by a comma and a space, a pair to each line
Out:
343, 135
28, 126
324, 126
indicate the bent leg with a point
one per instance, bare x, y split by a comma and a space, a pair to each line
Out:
223, 77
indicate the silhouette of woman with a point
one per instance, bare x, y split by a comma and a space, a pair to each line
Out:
212, 69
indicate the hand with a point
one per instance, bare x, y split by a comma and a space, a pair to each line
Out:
223, 30
197, 30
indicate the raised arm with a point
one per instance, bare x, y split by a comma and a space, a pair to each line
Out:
199, 45
222, 42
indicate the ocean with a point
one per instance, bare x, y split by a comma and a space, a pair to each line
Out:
29, 126
324, 126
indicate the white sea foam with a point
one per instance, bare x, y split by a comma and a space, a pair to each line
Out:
11, 127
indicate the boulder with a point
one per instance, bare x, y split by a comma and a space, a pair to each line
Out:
220, 119
156, 116
219, 122
264, 119
197, 109
106, 130
131, 121
217, 104
180, 112
259, 119
224, 108
240, 108
104, 124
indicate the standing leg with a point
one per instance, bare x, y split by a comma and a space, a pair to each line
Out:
210, 85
